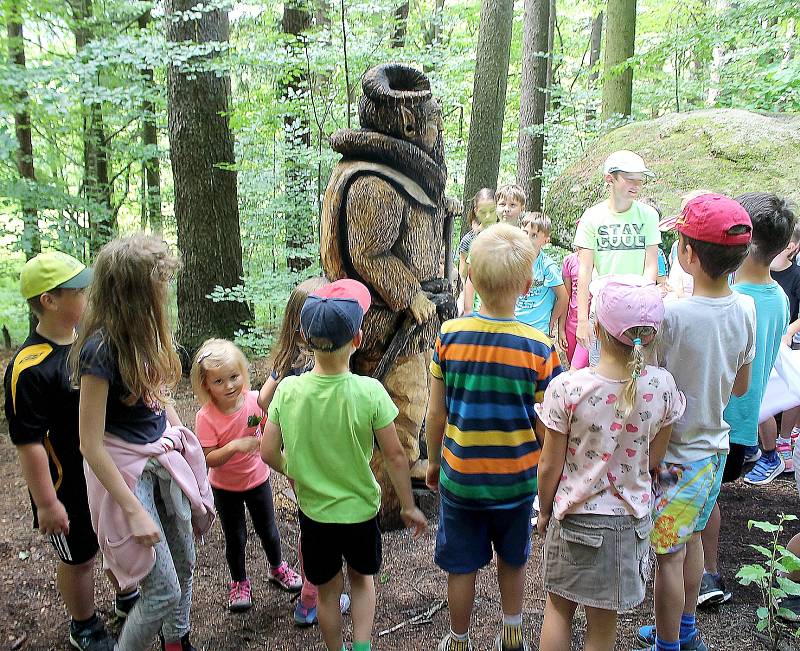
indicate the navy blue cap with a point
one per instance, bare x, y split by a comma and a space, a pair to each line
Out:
337, 320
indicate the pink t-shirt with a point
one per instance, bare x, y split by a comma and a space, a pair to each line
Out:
606, 470
215, 430
569, 272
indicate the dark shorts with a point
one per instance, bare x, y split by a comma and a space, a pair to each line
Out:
734, 463
465, 537
324, 546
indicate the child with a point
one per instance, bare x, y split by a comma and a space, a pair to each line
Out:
487, 216
617, 236
488, 370
773, 223
145, 473
292, 357
511, 201
319, 432
42, 414
546, 302
226, 428
577, 355
482, 212
606, 428
715, 326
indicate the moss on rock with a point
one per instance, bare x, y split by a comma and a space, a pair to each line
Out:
725, 150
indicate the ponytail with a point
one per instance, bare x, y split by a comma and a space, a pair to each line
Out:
636, 364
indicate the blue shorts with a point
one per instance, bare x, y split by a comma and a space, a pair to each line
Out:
465, 537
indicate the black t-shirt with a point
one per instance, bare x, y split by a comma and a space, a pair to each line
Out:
42, 407
789, 280
137, 423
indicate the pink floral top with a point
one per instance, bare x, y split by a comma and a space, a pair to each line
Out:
606, 469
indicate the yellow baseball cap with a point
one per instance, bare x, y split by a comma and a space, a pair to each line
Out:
52, 270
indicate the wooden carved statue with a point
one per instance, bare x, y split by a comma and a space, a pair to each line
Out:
385, 222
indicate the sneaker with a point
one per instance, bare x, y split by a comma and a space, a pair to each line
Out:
123, 607
785, 450
789, 609
767, 468
185, 644
286, 578
712, 590
444, 644
308, 616
646, 639
498, 645
94, 637
535, 511
752, 454
239, 596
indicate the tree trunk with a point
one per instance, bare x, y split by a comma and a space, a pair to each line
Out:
151, 177
488, 96
595, 43
551, 33
206, 207
398, 39
434, 29
31, 238
530, 146
717, 56
620, 37
299, 227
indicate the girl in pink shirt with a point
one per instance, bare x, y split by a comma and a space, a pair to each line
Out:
227, 426
577, 355
606, 428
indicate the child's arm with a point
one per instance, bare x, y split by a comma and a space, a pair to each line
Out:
651, 262
741, 383
559, 310
172, 416
551, 464
435, 422
50, 512
658, 446
586, 259
267, 392
272, 447
396, 463
469, 294
791, 331
462, 266
92, 419
220, 456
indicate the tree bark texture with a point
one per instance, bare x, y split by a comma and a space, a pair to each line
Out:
551, 35
206, 208
398, 39
488, 96
530, 146
151, 177
620, 40
31, 239
595, 43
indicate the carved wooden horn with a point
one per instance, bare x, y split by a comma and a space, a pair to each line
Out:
396, 82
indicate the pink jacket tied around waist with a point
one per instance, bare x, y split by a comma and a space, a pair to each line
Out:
183, 459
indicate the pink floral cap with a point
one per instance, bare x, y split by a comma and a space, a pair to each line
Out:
624, 302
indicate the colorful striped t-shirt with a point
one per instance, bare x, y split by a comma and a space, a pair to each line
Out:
494, 371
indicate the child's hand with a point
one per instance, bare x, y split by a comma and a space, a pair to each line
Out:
582, 334
432, 475
248, 444
414, 519
541, 523
166, 443
53, 519
143, 529
562, 340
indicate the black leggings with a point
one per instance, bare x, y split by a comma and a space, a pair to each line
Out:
230, 508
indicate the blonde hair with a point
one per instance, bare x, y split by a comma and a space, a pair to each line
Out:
512, 191
289, 351
538, 219
215, 353
643, 338
501, 261
127, 305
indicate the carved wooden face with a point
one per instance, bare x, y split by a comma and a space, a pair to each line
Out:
424, 125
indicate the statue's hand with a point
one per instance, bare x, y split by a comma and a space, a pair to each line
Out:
453, 206
421, 308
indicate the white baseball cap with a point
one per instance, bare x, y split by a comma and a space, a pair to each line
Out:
626, 161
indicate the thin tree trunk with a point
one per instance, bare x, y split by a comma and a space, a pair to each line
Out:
717, 57
398, 39
434, 28
620, 42
152, 173
551, 33
206, 206
488, 96
595, 43
530, 146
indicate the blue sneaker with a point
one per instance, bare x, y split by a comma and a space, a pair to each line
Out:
752, 453
767, 468
308, 616
646, 639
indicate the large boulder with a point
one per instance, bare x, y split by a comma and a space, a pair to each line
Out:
725, 150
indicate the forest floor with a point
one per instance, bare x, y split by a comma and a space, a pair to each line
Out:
33, 617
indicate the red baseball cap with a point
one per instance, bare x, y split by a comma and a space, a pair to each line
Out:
712, 218
347, 288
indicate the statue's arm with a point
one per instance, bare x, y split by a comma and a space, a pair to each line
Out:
374, 219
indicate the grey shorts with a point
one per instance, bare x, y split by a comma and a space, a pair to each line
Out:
602, 561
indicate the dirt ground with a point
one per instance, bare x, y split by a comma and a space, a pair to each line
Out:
33, 617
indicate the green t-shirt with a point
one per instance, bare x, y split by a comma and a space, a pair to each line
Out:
328, 424
618, 240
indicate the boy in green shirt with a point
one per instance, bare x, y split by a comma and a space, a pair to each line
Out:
325, 421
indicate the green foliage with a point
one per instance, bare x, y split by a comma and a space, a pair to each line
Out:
769, 577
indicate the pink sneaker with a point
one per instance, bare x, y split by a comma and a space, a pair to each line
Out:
785, 450
286, 578
239, 596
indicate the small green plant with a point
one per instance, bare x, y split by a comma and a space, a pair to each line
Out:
771, 578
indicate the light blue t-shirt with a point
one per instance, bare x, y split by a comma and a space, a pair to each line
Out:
536, 307
662, 263
772, 318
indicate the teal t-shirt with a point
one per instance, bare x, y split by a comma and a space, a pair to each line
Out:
328, 424
536, 307
772, 318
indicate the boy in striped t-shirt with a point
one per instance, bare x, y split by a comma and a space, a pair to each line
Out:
489, 370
